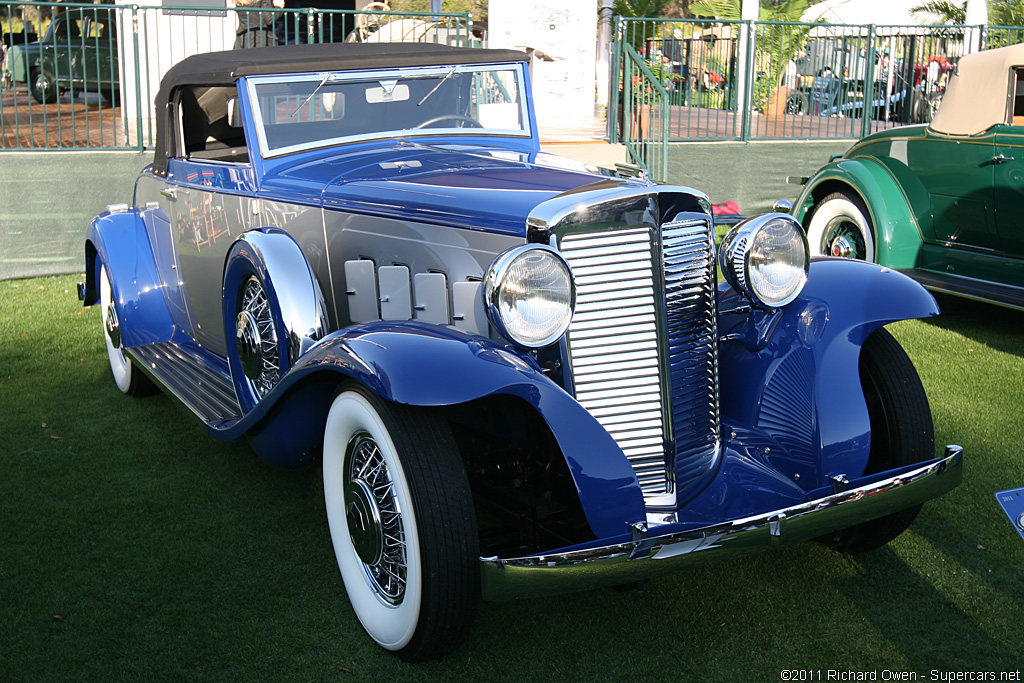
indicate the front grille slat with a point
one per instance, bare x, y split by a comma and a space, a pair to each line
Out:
623, 357
616, 369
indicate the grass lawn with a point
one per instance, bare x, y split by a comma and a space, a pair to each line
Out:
135, 547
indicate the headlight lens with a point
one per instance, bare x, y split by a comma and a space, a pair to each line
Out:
530, 295
766, 258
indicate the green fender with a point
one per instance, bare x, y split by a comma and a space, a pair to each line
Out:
897, 233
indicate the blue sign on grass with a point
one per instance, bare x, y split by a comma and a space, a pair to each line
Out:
1012, 501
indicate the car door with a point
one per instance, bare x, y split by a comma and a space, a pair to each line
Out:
1008, 181
61, 62
94, 66
957, 174
210, 187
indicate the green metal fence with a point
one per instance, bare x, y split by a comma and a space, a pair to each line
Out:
645, 99
78, 76
731, 80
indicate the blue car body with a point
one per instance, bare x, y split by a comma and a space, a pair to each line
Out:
774, 439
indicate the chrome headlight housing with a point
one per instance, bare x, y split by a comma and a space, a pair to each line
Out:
530, 295
766, 258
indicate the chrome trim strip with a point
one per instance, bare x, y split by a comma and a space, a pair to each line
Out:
598, 200
654, 555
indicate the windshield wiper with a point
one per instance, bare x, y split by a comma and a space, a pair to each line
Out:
439, 84
323, 80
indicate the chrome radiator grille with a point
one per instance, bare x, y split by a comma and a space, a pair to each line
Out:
613, 344
642, 346
692, 342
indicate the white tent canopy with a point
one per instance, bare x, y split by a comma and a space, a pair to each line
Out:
878, 12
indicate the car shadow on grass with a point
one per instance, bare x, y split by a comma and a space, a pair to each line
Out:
995, 326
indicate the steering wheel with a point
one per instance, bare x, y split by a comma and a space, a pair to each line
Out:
368, 23
473, 123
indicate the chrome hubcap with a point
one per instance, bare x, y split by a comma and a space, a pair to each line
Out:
113, 326
842, 247
842, 237
364, 525
247, 340
375, 519
256, 339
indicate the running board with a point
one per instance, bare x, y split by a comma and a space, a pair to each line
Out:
187, 374
970, 288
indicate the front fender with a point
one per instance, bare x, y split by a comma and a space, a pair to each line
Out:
897, 233
422, 364
795, 373
119, 241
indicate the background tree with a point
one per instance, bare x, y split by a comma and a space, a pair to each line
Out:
948, 12
1006, 12
776, 44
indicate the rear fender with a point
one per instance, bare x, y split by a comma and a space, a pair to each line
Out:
422, 364
897, 234
119, 241
795, 374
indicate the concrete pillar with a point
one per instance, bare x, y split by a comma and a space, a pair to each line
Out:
977, 14
748, 13
604, 49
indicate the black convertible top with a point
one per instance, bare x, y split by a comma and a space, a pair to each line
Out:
224, 68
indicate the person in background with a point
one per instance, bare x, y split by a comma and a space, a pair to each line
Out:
256, 29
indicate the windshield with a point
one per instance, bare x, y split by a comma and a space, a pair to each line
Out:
298, 112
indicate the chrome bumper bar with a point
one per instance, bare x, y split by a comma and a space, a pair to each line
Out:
655, 555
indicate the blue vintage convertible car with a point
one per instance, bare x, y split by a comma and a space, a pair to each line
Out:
520, 375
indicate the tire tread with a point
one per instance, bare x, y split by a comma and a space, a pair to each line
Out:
906, 437
446, 520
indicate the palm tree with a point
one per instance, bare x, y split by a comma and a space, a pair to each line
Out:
775, 45
948, 12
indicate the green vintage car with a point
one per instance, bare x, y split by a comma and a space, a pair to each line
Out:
78, 52
942, 202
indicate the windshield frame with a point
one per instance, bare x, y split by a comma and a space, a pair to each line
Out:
252, 83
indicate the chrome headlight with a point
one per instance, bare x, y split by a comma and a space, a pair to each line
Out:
530, 295
766, 258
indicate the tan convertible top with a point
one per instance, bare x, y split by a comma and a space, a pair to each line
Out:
979, 94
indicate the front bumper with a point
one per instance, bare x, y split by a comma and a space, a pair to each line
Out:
655, 555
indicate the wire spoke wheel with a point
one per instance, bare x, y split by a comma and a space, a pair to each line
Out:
839, 225
256, 339
843, 238
402, 523
375, 519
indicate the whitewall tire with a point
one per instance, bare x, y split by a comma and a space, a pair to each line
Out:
127, 378
402, 523
840, 225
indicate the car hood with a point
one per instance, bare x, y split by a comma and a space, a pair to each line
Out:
469, 187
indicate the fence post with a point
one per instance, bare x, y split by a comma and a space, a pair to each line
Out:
136, 58
745, 77
869, 84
